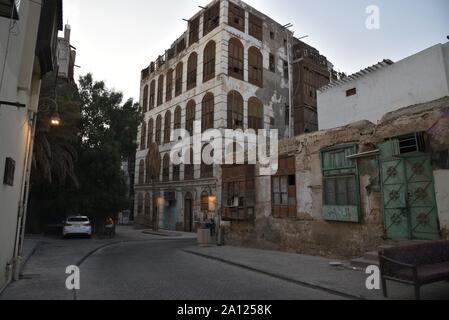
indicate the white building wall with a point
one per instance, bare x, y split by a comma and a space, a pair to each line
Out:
21, 83
417, 79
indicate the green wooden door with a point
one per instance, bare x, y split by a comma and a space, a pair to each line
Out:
408, 194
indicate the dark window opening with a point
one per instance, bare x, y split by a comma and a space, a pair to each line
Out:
351, 92
255, 27
211, 18
194, 31
236, 17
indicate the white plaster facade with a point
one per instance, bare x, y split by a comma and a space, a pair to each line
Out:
20, 83
384, 88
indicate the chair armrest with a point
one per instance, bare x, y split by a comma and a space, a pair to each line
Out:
411, 266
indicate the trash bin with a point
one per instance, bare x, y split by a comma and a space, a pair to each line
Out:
204, 238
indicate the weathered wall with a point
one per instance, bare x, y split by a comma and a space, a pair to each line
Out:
416, 79
442, 197
308, 232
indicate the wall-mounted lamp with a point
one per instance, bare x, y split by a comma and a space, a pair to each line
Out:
55, 119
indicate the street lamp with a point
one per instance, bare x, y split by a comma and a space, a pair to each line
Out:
55, 119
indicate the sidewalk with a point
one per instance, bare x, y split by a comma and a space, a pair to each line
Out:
314, 272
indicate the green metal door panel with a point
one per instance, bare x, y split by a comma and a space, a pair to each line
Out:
397, 223
421, 194
424, 223
421, 198
393, 172
419, 169
395, 196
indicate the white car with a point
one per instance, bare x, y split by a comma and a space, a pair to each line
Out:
77, 225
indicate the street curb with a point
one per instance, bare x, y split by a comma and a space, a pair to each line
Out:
279, 276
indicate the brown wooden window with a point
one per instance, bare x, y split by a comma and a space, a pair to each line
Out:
207, 170
205, 201
166, 168
189, 167
235, 60
283, 186
139, 204
236, 17
158, 130
147, 171
180, 46
143, 136
160, 90
209, 61
190, 116
255, 27
211, 18
176, 172
169, 85
207, 107
152, 94
177, 120
141, 171
255, 67
145, 100
272, 63
167, 127
192, 71
150, 132
235, 110
255, 114
194, 31
147, 210
178, 82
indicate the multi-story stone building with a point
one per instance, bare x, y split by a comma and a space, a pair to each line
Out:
230, 69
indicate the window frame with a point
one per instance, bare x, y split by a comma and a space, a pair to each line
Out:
211, 18
255, 66
236, 52
179, 78
158, 133
150, 132
209, 57
160, 90
207, 112
152, 94
194, 30
256, 114
236, 12
192, 70
190, 116
169, 85
235, 110
255, 26
167, 127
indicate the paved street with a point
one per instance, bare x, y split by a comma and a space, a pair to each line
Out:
151, 267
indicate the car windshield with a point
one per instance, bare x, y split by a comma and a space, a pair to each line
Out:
78, 220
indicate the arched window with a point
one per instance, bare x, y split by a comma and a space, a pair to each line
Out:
145, 99
178, 82
158, 130
207, 119
139, 204
166, 168
169, 85
147, 172
205, 201
207, 170
147, 210
143, 136
160, 90
177, 120
141, 172
152, 94
235, 110
189, 167
167, 127
255, 114
190, 116
191, 71
255, 67
209, 61
150, 132
235, 59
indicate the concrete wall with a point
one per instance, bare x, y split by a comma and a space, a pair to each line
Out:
442, 197
21, 83
417, 79
308, 232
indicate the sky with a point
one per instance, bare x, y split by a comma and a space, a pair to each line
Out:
115, 39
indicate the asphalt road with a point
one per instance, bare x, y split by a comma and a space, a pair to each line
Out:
153, 269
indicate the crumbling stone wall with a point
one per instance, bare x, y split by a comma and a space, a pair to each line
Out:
308, 233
